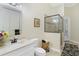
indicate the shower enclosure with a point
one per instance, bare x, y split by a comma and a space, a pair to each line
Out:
54, 24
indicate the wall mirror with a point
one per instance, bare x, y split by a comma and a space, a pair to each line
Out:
53, 24
10, 20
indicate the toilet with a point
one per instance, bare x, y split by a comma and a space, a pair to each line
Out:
39, 52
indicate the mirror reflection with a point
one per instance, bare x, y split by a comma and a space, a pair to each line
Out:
10, 21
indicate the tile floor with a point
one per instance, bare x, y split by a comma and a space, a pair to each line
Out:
53, 53
70, 50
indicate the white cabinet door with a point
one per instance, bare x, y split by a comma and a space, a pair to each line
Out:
24, 51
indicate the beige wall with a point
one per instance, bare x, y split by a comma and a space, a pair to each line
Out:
30, 11
73, 13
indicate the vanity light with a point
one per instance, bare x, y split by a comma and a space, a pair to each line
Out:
15, 4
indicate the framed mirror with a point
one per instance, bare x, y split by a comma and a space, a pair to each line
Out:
10, 20
53, 24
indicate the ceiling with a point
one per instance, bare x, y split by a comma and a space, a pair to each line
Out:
63, 4
70, 4
56, 4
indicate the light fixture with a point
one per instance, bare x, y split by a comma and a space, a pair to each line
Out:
15, 4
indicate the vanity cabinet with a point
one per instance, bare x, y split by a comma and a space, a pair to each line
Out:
27, 50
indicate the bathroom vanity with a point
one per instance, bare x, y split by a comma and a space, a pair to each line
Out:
10, 21
23, 48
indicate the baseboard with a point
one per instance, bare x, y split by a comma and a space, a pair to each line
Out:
74, 42
55, 50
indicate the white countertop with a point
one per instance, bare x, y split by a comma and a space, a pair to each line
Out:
10, 47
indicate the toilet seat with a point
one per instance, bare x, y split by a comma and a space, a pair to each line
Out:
39, 52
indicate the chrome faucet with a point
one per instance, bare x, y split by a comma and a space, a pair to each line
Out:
14, 40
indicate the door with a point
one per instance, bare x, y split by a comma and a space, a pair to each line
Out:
66, 28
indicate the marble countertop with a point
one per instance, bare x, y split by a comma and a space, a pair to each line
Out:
10, 47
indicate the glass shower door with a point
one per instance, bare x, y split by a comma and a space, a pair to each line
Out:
53, 24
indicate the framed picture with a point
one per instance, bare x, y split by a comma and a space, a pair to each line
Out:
36, 22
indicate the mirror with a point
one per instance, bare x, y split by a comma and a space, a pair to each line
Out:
53, 24
10, 20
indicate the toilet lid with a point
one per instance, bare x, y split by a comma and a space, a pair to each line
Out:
40, 50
